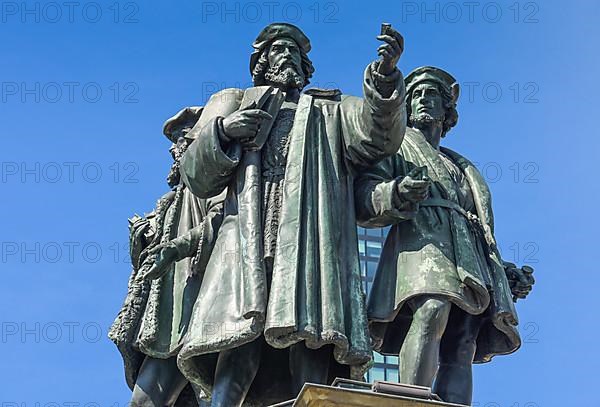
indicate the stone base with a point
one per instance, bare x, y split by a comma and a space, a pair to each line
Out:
349, 393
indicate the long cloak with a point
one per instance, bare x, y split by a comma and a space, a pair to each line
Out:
316, 293
434, 250
155, 314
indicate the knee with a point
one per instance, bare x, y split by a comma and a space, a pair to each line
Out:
139, 398
459, 350
433, 314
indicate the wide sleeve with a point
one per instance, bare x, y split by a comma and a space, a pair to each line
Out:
377, 203
198, 242
373, 127
207, 167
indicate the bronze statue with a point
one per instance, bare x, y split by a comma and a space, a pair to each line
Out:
281, 301
246, 281
441, 299
169, 249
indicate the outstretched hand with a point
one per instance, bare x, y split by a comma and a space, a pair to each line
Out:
391, 51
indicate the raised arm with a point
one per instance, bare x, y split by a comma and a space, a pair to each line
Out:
373, 127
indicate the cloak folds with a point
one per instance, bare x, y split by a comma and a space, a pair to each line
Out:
155, 314
315, 293
433, 250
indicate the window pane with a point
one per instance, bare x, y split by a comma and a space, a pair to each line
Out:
371, 268
376, 374
373, 249
361, 247
374, 232
378, 357
392, 375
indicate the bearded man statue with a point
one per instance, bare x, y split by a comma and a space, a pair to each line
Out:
281, 302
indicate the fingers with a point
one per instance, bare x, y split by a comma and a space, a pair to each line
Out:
413, 190
417, 196
416, 187
394, 46
523, 276
521, 293
385, 51
257, 114
252, 127
398, 37
417, 184
160, 266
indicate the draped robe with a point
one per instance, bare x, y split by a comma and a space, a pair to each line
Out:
315, 291
434, 250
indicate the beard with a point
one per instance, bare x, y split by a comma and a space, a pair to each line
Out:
420, 120
286, 75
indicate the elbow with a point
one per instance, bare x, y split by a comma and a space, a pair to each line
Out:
195, 180
200, 189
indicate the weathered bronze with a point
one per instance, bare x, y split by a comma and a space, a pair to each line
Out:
246, 283
281, 299
174, 241
442, 298
278, 301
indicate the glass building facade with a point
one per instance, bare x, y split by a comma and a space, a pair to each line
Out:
370, 245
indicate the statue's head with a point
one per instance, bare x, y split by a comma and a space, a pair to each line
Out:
176, 129
431, 96
281, 57
180, 125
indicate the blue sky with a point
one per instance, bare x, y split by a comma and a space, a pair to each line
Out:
86, 88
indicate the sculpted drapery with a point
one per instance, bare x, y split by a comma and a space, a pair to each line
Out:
315, 290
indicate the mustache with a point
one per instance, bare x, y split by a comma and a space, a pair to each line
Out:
424, 118
285, 63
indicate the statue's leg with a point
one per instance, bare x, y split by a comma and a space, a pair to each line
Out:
419, 355
309, 365
454, 382
236, 369
158, 384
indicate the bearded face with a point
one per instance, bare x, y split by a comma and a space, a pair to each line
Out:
427, 106
285, 64
286, 75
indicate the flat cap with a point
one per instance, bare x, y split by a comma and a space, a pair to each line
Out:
274, 31
185, 118
429, 74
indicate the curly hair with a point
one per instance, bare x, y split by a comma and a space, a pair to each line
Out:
451, 114
262, 65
